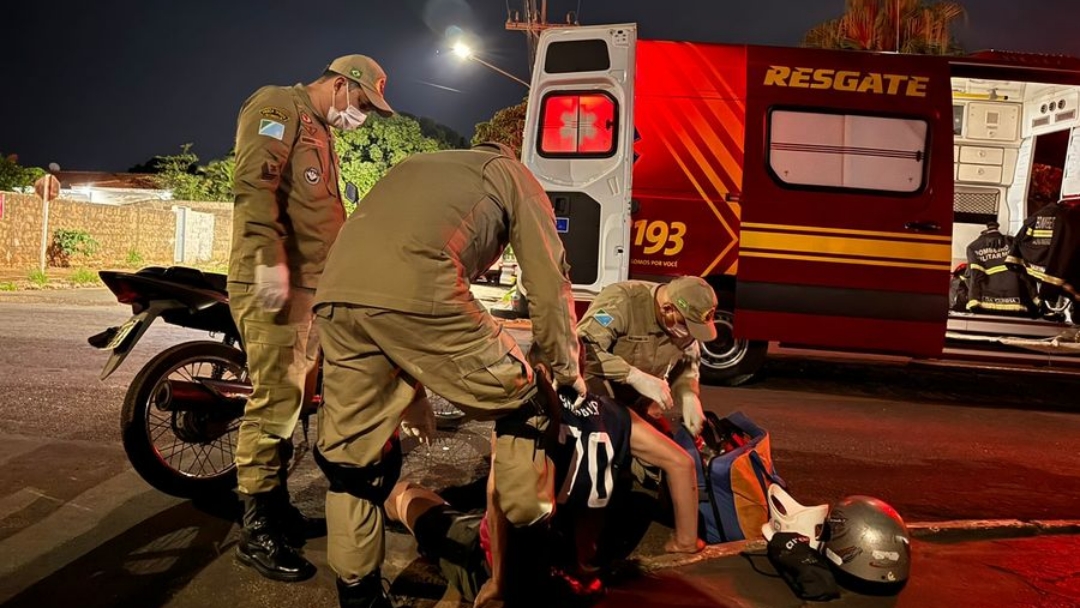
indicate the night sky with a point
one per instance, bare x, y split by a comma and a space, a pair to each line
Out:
107, 84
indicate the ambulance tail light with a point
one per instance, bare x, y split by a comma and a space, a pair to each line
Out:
576, 124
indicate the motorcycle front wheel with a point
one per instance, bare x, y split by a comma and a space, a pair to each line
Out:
185, 452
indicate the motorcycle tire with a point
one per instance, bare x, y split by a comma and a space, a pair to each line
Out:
140, 412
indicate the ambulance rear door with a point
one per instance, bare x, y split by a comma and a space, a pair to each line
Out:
578, 141
847, 201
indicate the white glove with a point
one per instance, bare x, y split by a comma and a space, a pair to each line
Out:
272, 286
418, 420
693, 417
651, 387
573, 396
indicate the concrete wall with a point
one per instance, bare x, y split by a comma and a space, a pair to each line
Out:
147, 229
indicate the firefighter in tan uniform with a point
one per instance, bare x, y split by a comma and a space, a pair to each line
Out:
394, 312
288, 212
642, 344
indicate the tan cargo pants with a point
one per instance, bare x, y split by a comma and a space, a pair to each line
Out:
281, 352
374, 359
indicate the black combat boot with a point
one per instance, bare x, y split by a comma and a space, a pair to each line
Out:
263, 545
367, 592
297, 527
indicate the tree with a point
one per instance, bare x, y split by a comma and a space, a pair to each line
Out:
189, 181
448, 138
906, 26
367, 153
507, 126
13, 175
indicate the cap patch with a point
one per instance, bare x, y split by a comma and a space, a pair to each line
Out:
355, 73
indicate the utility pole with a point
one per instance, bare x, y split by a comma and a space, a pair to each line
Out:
533, 22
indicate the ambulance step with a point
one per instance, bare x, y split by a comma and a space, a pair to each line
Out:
976, 325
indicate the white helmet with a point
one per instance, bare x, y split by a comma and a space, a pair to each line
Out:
787, 515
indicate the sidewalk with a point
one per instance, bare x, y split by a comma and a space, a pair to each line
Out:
1033, 571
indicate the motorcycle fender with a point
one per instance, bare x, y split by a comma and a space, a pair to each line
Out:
129, 334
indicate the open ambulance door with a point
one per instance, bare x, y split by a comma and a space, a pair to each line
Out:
847, 201
578, 142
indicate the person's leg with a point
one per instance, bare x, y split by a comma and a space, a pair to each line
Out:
491, 594
364, 394
653, 447
443, 534
278, 362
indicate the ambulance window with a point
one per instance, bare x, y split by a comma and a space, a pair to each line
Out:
577, 56
848, 151
578, 125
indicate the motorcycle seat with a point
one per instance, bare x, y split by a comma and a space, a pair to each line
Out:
192, 277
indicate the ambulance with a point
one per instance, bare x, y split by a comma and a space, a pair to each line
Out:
825, 195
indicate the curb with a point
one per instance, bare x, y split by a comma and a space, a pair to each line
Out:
962, 529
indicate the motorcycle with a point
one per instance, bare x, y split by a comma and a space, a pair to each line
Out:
181, 413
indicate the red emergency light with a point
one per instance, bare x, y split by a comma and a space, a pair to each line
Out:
576, 124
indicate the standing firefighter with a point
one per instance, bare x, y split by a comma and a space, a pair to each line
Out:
394, 312
288, 212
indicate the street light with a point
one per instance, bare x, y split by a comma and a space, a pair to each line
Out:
464, 51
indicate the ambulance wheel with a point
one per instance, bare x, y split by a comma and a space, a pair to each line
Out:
727, 361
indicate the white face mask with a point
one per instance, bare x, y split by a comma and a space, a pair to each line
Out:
350, 119
679, 331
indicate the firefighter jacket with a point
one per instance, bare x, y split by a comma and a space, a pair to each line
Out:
435, 223
620, 331
1062, 272
288, 209
992, 286
1031, 247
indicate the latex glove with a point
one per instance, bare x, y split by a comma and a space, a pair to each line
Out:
418, 420
693, 417
651, 387
272, 286
572, 396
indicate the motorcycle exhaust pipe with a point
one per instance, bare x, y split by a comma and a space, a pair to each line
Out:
219, 397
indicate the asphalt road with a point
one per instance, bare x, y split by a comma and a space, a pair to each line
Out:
937, 445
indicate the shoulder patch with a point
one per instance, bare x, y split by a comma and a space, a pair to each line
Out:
603, 318
274, 114
271, 128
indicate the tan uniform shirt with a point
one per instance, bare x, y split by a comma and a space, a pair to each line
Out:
435, 223
620, 330
288, 207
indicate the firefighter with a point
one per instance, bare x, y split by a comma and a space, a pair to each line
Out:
394, 311
288, 210
642, 345
992, 286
